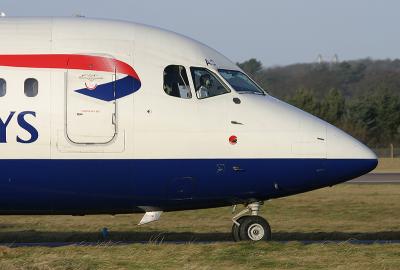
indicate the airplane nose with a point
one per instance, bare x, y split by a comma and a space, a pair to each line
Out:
347, 157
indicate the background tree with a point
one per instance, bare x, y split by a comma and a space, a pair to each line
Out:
252, 67
304, 99
333, 107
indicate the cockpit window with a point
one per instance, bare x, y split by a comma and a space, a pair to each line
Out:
206, 83
176, 82
240, 82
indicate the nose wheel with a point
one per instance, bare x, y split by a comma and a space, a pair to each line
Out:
251, 227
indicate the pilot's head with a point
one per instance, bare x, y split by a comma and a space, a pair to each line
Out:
206, 81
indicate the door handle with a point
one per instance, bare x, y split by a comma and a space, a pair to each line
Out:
113, 119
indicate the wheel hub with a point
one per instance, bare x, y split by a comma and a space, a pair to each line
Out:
255, 232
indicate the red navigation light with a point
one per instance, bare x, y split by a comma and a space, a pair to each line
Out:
233, 139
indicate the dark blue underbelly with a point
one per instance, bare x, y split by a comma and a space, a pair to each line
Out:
125, 186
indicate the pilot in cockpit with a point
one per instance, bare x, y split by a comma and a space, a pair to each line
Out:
205, 86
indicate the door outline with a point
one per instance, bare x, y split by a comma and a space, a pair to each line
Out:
113, 117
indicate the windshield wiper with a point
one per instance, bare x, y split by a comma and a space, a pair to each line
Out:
251, 92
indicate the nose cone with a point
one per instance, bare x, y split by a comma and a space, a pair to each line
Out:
347, 157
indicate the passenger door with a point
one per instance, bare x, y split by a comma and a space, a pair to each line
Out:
91, 105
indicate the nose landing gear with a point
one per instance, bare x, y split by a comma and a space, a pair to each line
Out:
250, 227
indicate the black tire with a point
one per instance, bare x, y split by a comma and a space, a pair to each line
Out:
235, 230
254, 228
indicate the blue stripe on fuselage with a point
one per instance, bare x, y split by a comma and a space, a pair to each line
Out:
119, 186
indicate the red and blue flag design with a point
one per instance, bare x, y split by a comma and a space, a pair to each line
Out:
107, 92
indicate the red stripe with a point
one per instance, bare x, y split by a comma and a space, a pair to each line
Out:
68, 61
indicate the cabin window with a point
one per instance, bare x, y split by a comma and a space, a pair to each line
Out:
176, 82
3, 87
207, 84
31, 87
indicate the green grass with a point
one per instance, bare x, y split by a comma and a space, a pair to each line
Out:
211, 256
343, 212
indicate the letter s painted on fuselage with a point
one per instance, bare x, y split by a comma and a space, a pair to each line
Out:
28, 127
23, 124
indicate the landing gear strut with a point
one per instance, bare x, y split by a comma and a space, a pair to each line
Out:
250, 227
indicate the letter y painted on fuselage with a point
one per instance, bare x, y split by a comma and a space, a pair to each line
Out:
3, 127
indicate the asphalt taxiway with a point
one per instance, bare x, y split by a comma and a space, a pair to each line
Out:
377, 178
